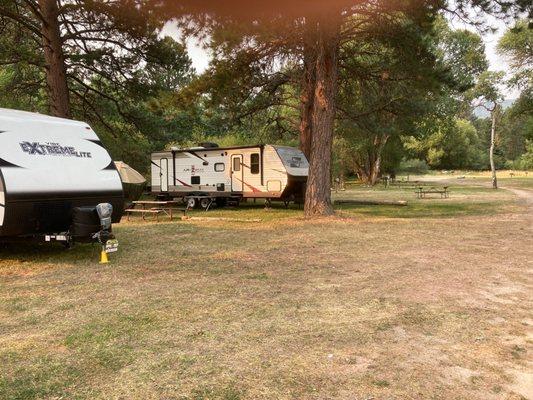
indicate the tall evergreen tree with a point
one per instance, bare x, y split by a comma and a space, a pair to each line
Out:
105, 62
75, 43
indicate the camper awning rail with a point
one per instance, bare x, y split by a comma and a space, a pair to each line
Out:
258, 146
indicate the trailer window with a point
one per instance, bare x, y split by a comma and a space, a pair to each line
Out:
219, 167
296, 162
254, 163
195, 180
236, 163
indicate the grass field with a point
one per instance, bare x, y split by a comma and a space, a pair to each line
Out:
428, 301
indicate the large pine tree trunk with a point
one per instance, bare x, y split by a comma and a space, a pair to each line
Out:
306, 102
491, 151
318, 193
308, 87
56, 76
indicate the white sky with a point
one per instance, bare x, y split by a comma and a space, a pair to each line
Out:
200, 57
496, 62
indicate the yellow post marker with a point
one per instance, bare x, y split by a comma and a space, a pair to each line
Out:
103, 257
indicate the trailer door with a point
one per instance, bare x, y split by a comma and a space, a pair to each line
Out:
236, 173
163, 173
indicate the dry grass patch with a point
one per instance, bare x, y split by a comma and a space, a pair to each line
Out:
360, 307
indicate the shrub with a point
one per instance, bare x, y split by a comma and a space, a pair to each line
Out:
414, 166
525, 161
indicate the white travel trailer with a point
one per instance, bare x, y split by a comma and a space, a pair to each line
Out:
53, 174
210, 173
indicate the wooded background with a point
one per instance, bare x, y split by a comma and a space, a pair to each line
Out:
362, 87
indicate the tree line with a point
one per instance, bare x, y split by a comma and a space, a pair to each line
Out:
362, 87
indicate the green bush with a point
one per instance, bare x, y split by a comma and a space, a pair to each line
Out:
414, 166
525, 162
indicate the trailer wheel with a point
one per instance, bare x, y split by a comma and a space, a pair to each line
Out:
205, 202
191, 203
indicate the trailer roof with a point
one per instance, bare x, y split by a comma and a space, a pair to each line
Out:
25, 116
210, 149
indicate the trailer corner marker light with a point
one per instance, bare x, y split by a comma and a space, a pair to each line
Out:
103, 257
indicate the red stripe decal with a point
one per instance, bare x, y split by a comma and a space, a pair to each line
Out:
254, 189
183, 183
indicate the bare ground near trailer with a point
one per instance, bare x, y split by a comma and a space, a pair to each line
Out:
360, 306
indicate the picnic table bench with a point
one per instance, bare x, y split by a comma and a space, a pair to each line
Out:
403, 184
154, 207
421, 192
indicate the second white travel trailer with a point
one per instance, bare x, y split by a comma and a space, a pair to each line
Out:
208, 173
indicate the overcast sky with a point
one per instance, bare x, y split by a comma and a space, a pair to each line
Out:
200, 58
496, 62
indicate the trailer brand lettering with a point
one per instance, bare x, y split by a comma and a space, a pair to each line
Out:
193, 170
52, 149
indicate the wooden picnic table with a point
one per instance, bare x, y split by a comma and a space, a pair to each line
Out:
156, 207
421, 192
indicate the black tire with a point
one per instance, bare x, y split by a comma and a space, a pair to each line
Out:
191, 203
205, 202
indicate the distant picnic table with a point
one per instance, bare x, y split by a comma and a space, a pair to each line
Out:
400, 183
421, 192
154, 207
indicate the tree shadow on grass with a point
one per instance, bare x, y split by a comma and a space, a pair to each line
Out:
50, 253
426, 209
